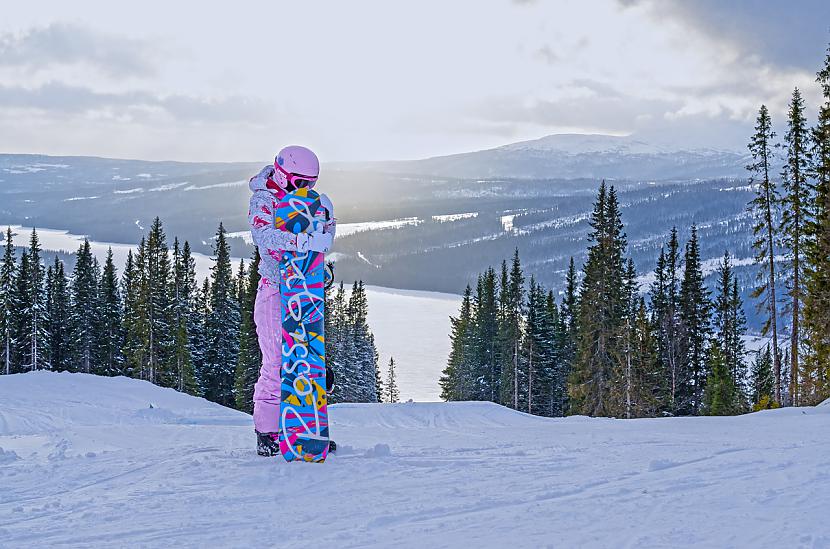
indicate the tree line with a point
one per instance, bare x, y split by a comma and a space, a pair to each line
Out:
605, 349
156, 322
792, 244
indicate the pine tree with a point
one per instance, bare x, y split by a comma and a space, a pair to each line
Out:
541, 354
721, 397
570, 334
392, 393
109, 357
793, 226
765, 207
250, 357
730, 324
133, 324
221, 326
511, 303
695, 309
817, 255
367, 385
8, 301
32, 325
762, 383
486, 373
58, 308
184, 286
601, 309
338, 346
457, 376
665, 309
199, 336
648, 375
156, 308
85, 310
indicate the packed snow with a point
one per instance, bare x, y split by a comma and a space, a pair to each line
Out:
116, 462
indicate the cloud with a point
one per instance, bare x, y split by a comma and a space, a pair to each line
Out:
62, 99
546, 54
59, 44
602, 109
788, 34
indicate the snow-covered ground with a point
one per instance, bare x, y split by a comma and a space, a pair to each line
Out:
115, 462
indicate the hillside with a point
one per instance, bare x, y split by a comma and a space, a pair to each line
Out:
575, 156
103, 462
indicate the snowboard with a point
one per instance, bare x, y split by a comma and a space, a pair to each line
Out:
304, 427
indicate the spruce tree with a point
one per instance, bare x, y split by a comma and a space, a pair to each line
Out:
8, 301
793, 226
721, 397
568, 318
109, 357
338, 346
601, 309
765, 208
392, 393
32, 314
456, 379
511, 303
156, 308
58, 307
486, 373
250, 357
762, 383
560, 359
817, 255
647, 374
133, 324
84, 291
367, 385
730, 323
695, 308
184, 286
665, 309
222, 327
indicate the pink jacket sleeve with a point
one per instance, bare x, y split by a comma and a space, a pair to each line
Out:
264, 233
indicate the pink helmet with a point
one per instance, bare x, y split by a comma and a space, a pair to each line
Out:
296, 167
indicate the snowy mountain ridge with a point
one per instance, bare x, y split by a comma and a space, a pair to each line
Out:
579, 156
132, 464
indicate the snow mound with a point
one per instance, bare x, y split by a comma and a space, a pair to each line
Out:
39, 402
115, 462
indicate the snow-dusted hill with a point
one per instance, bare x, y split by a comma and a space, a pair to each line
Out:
574, 156
114, 462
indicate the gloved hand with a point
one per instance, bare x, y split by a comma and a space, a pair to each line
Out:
266, 172
325, 201
314, 242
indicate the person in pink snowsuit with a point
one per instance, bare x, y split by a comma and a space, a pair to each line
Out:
294, 167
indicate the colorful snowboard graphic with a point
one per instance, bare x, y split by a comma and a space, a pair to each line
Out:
304, 427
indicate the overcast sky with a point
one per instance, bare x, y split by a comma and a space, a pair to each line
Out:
359, 80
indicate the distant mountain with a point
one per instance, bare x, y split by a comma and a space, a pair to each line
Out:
576, 156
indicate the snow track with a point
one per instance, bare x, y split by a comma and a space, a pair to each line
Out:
86, 462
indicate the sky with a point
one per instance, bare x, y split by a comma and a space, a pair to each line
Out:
375, 80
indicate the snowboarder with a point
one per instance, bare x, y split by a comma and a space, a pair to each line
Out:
294, 167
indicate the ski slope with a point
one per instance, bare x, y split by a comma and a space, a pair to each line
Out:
115, 462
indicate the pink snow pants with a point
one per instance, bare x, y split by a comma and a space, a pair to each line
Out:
267, 317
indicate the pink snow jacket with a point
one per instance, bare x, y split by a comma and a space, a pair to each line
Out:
270, 240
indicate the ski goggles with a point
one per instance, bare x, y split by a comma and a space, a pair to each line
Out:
296, 180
